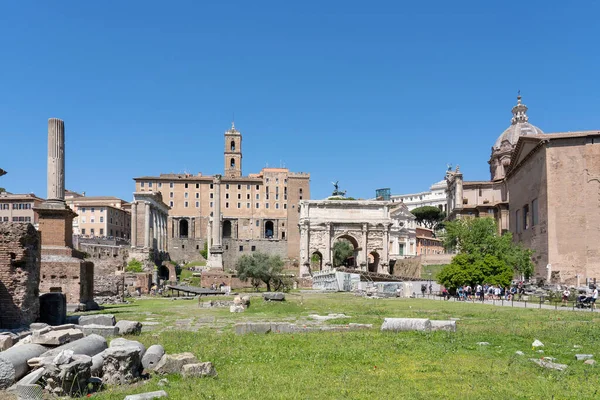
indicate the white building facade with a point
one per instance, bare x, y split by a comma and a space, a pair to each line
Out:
435, 197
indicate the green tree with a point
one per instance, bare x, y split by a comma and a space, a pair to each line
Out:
204, 251
484, 255
2, 190
429, 216
342, 249
134, 266
260, 267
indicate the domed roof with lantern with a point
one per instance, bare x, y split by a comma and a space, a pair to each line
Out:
519, 126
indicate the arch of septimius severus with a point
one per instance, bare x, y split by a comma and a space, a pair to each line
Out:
379, 231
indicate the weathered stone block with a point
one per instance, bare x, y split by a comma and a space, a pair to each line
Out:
13, 362
53, 308
147, 396
122, 365
6, 342
198, 370
121, 342
237, 308
406, 324
173, 363
89, 345
99, 319
358, 327
152, 356
129, 327
243, 328
581, 357
274, 296
69, 376
52, 338
102, 330
36, 326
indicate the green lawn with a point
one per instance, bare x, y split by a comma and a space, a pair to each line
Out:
371, 364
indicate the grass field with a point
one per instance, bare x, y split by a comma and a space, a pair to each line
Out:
370, 364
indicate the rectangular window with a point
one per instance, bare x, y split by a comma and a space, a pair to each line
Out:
257, 187
257, 196
277, 205
525, 217
247, 205
92, 231
284, 206
101, 219
239, 196
534, 212
247, 187
159, 185
239, 187
141, 184
211, 195
92, 219
197, 195
227, 186
186, 185
266, 205
83, 231
518, 221
197, 186
211, 185
257, 223
171, 185
226, 195
276, 197
248, 196
185, 195
101, 231
241, 248
253, 248
83, 209
239, 205
185, 204
227, 205
93, 209
149, 185
197, 204
171, 195
257, 205
211, 204
170, 204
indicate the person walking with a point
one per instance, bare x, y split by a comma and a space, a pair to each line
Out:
565, 296
594, 297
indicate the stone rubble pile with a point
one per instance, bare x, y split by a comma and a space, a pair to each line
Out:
417, 324
75, 358
240, 303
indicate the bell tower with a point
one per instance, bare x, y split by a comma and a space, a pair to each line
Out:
233, 153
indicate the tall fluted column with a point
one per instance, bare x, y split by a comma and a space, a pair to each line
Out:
147, 226
328, 261
216, 250
386, 250
365, 254
133, 224
56, 159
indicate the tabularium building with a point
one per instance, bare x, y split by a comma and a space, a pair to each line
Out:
259, 212
545, 189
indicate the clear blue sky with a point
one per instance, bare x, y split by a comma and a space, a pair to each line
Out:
373, 94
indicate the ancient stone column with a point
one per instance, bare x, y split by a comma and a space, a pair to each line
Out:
386, 249
133, 224
216, 250
365, 253
328, 261
56, 159
459, 191
147, 226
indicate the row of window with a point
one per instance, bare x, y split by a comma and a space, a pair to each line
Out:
18, 219
16, 206
92, 209
527, 216
239, 205
227, 185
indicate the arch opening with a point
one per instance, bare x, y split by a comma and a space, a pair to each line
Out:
227, 229
163, 273
183, 228
269, 229
345, 251
316, 261
232, 163
373, 261
232, 145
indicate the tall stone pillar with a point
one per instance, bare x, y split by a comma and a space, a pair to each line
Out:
133, 224
364, 262
327, 256
56, 159
304, 250
147, 226
192, 232
216, 250
386, 250
164, 232
459, 191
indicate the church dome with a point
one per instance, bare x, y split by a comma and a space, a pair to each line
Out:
520, 126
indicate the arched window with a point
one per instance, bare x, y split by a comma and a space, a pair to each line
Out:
232, 163
227, 229
232, 145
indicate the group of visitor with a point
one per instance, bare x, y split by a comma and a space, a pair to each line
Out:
486, 292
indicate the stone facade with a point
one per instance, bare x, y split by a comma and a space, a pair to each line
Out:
253, 207
435, 197
149, 224
554, 183
19, 274
234, 248
100, 216
380, 231
427, 243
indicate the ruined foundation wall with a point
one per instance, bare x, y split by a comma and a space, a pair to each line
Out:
19, 274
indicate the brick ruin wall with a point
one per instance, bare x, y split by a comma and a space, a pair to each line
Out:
408, 267
186, 250
19, 274
108, 260
72, 276
231, 249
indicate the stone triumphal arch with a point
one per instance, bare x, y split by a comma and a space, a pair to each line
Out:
379, 232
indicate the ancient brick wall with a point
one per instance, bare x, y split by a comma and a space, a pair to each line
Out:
19, 274
233, 249
186, 250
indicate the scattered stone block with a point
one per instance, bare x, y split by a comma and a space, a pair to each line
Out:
327, 317
237, 308
32, 377
483, 343
537, 343
274, 296
163, 382
252, 327
98, 319
13, 363
68, 376
246, 301
590, 362
129, 327
581, 357
173, 363
89, 345
120, 342
152, 356
63, 327
406, 324
36, 326
358, 327
549, 364
6, 342
237, 301
52, 338
443, 326
147, 396
122, 365
102, 330
519, 353
198, 370
53, 308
